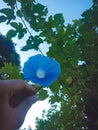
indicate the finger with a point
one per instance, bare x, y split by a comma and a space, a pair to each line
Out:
18, 97
22, 109
26, 104
15, 86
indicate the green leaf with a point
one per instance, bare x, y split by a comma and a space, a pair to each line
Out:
19, 29
29, 44
11, 71
55, 87
11, 33
38, 8
50, 19
9, 14
59, 20
43, 94
10, 2
27, 47
2, 19
14, 24
32, 43
19, 13
36, 42
20, 34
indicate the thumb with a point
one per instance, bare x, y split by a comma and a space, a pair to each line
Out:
26, 104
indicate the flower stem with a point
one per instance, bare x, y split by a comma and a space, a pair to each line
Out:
37, 89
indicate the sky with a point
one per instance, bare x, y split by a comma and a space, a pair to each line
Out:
71, 10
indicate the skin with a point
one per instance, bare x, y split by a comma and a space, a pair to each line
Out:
16, 98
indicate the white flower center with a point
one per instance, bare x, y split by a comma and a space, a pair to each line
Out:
40, 74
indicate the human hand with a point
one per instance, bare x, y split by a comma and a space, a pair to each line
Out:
16, 97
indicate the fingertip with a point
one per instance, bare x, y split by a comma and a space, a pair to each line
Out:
29, 101
33, 99
30, 88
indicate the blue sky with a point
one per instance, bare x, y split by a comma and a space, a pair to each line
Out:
71, 9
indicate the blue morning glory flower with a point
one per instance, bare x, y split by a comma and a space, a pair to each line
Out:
41, 70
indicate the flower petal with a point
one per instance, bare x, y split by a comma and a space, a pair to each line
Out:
41, 70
